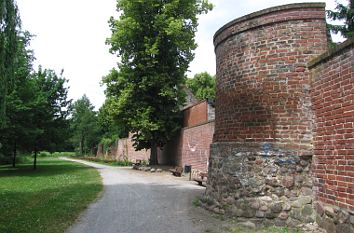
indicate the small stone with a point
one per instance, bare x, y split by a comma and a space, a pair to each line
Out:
255, 205
298, 169
263, 208
288, 181
342, 216
351, 220
283, 216
319, 209
270, 215
301, 202
303, 163
287, 207
236, 212
152, 170
159, 170
276, 207
329, 211
307, 210
247, 224
266, 199
249, 213
345, 228
329, 226
260, 214
306, 191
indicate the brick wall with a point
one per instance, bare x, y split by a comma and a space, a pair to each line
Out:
196, 114
333, 103
195, 146
263, 85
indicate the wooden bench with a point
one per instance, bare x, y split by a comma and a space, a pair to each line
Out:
203, 178
177, 171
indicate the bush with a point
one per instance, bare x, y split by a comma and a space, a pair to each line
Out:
44, 154
64, 154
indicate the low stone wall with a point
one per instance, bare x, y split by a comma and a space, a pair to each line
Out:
263, 182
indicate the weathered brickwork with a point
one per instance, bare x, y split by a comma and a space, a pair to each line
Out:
195, 114
263, 85
333, 163
260, 164
196, 146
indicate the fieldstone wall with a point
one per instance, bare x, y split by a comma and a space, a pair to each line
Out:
260, 162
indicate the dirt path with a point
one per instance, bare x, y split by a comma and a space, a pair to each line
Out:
143, 202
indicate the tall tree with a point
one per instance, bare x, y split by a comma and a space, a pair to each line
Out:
9, 25
50, 110
202, 86
18, 100
84, 125
155, 41
346, 14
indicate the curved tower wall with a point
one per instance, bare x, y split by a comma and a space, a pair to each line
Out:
261, 155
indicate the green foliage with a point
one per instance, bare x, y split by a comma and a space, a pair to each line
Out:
343, 13
9, 25
155, 41
202, 86
49, 199
84, 125
50, 111
63, 154
107, 161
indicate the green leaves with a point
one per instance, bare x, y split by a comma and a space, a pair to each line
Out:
155, 41
202, 86
343, 13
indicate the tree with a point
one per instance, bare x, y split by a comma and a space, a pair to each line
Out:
16, 129
84, 125
49, 111
346, 14
202, 86
9, 24
155, 41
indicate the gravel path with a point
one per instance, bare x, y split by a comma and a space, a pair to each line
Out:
136, 201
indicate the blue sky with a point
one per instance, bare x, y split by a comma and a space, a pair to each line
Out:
71, 34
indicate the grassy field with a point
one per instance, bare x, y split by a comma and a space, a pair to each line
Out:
46, 200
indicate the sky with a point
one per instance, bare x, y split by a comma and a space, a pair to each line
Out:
71, 34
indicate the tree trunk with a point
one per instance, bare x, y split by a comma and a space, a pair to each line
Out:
14, 155
153, 154
35, 160
82, 146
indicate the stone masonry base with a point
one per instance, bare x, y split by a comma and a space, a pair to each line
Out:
263, 182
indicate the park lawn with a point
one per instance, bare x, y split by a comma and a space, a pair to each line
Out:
48, 199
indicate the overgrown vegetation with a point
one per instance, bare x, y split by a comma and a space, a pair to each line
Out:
46, 200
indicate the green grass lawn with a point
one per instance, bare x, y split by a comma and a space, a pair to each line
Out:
48, 199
